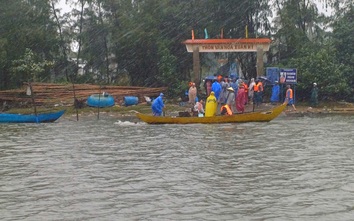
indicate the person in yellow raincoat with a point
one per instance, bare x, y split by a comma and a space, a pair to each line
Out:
211, 105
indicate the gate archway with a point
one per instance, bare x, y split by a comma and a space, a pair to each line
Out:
196, 46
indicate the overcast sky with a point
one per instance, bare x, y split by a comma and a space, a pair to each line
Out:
65, 8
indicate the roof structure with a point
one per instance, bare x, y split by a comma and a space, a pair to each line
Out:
196, 46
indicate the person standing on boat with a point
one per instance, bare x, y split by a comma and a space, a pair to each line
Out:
227, 101
314, 95
224, 86
222, 98
216, 87
230, 99
208, 87
245, 86
240, 98
192, 94
289, 96
234, 85
258, 89
211, 105
158, 105
251, 90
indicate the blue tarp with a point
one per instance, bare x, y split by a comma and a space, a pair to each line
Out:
272, 74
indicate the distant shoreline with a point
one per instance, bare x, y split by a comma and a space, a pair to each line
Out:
172, 108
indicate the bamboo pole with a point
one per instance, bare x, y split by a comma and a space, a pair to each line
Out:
98, 106
33, 101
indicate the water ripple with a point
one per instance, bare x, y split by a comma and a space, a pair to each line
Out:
288, 169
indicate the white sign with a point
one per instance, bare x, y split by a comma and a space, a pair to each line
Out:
234, 47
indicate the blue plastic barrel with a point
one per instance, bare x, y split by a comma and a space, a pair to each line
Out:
131, 100
99, 100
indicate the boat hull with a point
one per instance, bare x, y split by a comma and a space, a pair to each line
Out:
30, 118
97, 100
262, 116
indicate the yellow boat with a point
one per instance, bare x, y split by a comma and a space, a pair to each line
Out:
261, 116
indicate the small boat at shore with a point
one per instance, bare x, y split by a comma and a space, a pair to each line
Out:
260, 116
100, 100
30, 118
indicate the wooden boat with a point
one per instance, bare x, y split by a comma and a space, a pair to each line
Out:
100, 100
261, 116
30, 118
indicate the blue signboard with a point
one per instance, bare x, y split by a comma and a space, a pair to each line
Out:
272, 74
288, 76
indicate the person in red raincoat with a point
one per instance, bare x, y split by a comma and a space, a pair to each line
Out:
245, 86
240, 99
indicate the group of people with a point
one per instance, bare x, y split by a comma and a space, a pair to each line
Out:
228, 96
231, 95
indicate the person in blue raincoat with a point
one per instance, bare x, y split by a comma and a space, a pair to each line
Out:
157, 105
216, 87
234, 85
275, 93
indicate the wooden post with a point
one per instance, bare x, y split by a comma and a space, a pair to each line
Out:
99, 101
260, 64
196, 66
33, 101
76, 101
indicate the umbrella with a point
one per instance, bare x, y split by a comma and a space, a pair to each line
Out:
211, 77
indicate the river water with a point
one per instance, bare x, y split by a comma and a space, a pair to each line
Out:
293, 168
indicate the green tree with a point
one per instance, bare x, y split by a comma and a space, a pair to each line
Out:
297, 26
139, 25
343, 38
65, 38
321, 67
319, 56
28, 67
25, 24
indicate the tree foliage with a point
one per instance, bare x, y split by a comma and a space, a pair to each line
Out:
343, 38
103, 41
302, 42
321, 67
25, 24
28, 68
